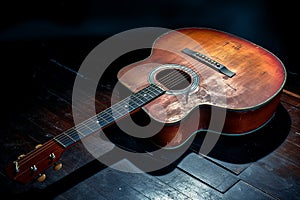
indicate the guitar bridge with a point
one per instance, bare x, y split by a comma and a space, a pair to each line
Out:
210, 62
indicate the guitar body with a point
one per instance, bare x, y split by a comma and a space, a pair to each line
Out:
249, 98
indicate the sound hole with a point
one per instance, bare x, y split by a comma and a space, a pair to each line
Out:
174, 79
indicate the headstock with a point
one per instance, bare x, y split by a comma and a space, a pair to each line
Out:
32, 166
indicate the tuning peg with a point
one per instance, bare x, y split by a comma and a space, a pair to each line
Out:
57, 166
41, 178
38, 146
21, 156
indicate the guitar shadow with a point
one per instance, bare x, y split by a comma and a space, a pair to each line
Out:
253, 146
243, 149
232, 149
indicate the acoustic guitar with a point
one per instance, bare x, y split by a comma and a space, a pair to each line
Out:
190, 75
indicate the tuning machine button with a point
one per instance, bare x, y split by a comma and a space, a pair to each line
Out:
57, 166
33, 168
16, 166
41, 178
52, 156
38, 146
21, 156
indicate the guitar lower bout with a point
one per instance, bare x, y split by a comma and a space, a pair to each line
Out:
205, 118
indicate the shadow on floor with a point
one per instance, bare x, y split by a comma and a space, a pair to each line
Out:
238, 150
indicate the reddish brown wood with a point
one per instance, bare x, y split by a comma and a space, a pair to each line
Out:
290, 98
236, 122
39, 157
294, 136
250, 97
256, 69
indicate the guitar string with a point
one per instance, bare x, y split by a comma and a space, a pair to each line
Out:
173, 80
53, 148
78, 132
175, 71
45, 147
190, 68
55, 142
117, 109
168, 83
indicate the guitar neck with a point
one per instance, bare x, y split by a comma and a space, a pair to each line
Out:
32, 165
109, 115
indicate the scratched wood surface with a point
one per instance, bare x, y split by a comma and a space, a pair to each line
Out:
262, 165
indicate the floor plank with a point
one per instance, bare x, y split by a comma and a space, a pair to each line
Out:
275, 176
189, 185
244, 191
147, 185
290, 98
286, 150
294, 113
294, 136
208, 172
233, 167
110, 185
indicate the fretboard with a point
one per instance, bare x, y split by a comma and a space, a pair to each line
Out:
109, 115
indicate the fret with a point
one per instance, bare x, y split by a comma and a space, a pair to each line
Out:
83, 130
142, 96
73, 134
128, 106
136, 100
122, 108
109, 115
101, 121
114, 113
156, 90
93, 124
131, 105
106, 116
87, 127
64, 140
149, 94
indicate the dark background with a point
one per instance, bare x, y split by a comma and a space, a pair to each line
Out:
34, 32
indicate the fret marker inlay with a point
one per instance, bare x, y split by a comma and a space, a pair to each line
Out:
109, 115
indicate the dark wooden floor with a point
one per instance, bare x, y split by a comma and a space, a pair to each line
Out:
262, 165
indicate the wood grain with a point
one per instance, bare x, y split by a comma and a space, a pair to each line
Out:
249, 98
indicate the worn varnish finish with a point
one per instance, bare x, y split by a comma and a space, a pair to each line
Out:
250, 97
261, 165
41, 159
254, 66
